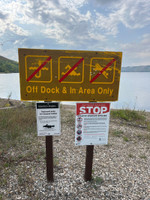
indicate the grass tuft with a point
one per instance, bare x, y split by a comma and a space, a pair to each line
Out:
7, 105
128, 115
131, 155
56, 161
148, 126
143, 157
144, 136
68, 117
98, 180
117, 133
126, 139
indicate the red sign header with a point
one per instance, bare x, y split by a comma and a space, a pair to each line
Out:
94, 108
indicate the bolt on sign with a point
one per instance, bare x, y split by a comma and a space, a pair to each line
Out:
69, 75
92, 123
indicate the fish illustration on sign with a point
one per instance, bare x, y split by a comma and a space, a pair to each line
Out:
73, 73
48, 126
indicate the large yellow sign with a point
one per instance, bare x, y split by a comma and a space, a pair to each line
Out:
66, 75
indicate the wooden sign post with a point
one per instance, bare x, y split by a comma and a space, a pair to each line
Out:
49, 158
88, 163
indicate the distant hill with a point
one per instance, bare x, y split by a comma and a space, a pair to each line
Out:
145, 68
8, 66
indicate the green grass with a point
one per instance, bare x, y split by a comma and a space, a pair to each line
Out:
126, 139
18, 143
143, 157
131, 155
30, 104
18, 139
7, 105
117, 133
128, 115
148, 126
98, 180
16, 125
145, 136
56, 161
68, 117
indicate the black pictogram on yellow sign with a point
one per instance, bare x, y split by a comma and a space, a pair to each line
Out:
97, 65
70, 69
33, 63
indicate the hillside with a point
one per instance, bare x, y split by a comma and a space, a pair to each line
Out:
8, 66
145, 68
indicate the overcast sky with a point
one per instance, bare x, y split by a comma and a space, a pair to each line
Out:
98, 25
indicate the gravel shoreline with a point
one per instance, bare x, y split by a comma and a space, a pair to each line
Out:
121, 169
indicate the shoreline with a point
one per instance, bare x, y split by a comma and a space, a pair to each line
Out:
4, 101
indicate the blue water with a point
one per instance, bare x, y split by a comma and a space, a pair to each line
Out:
134, 92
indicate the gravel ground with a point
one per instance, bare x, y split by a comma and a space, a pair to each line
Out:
121, 169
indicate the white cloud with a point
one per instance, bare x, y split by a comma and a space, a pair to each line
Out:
132, 14
97, 36
107, 24
72, 3
11, 10
135, 14
138, 52
10, 53
69, 23
57, 32
17, 30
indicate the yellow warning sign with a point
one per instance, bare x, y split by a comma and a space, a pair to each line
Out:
70, 69
69, 75
38, 68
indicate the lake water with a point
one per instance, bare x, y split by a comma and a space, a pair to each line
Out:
134, 90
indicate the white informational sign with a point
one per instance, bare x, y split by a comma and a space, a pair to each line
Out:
92, 123
48, 118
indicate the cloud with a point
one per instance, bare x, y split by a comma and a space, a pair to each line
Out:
72, 3
134, 14
137, 52
9, 18
99, 3
67, 16
61, 21
75, 24
3, 16
109, 25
